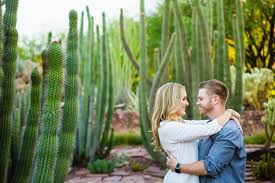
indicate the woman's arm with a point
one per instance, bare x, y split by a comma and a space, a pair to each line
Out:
180, 132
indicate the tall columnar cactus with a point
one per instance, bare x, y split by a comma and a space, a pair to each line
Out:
195, 57
106, 142
70, 115
184, 55
102, 92
269, 121
24, 164
165, 35
46, 150
86, 86
220, 46
7, 95
238, 94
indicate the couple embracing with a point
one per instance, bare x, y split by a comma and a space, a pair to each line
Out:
199, 151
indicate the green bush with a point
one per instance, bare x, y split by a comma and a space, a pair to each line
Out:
136, 166
127, 138
259, 138
264, 170
101, 166
257, 86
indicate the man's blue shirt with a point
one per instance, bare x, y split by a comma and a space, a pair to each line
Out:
223, 155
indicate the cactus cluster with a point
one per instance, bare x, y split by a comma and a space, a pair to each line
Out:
95, 137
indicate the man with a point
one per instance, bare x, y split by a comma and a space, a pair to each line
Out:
222, 156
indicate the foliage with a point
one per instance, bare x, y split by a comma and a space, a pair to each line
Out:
269, 121
121, 159
259, 31
264, 170
136, 166
127, 138
259, 138
29, 48
256, 85
101, 166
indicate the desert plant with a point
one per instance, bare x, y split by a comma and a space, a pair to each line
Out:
269, 121
256, 86
101, 166
136, 166
8, 64
67, 130
24, 164
264, 170
121, 159
46, 148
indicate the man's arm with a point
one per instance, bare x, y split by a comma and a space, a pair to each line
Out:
196, 168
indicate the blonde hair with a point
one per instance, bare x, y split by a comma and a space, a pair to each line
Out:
167, 100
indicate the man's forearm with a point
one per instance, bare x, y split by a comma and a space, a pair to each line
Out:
196, 168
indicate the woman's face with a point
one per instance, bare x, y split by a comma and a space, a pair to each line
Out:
182, 105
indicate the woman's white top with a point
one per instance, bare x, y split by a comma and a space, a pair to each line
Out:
181, 140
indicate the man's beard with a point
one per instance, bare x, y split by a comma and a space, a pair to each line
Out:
205, 110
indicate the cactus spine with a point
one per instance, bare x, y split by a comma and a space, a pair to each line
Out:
7, 94
46, 151
69, 121
24, 165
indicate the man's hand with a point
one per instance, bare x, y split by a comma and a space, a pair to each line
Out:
171, 161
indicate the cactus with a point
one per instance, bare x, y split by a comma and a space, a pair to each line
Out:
238, 93
45, 70
101, 92
69, 121
106, 143
47, 143
220, 46
86, 86
269, 121
186, 57
7, 95
195, 57
165, 36
24, 164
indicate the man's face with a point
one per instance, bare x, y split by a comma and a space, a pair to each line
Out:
204, 102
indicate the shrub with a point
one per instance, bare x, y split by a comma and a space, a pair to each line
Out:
128, 138
121, 159
101, 166
259, 138
264, 170
136, 166
257, 85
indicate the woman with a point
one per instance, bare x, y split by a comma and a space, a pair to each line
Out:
179, 137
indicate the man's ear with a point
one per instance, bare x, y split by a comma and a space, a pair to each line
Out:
215, 99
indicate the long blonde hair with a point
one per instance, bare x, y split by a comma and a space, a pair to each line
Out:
167, 101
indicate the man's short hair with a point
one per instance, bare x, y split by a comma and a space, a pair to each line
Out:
215, 87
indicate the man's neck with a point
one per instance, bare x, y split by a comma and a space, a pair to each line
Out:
216, 112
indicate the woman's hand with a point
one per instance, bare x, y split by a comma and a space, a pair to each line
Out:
232, 114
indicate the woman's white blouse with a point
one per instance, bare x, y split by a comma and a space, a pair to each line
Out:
181, 140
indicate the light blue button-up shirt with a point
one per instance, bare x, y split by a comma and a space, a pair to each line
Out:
223, 155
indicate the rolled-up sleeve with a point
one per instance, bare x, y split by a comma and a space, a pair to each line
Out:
222, 151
